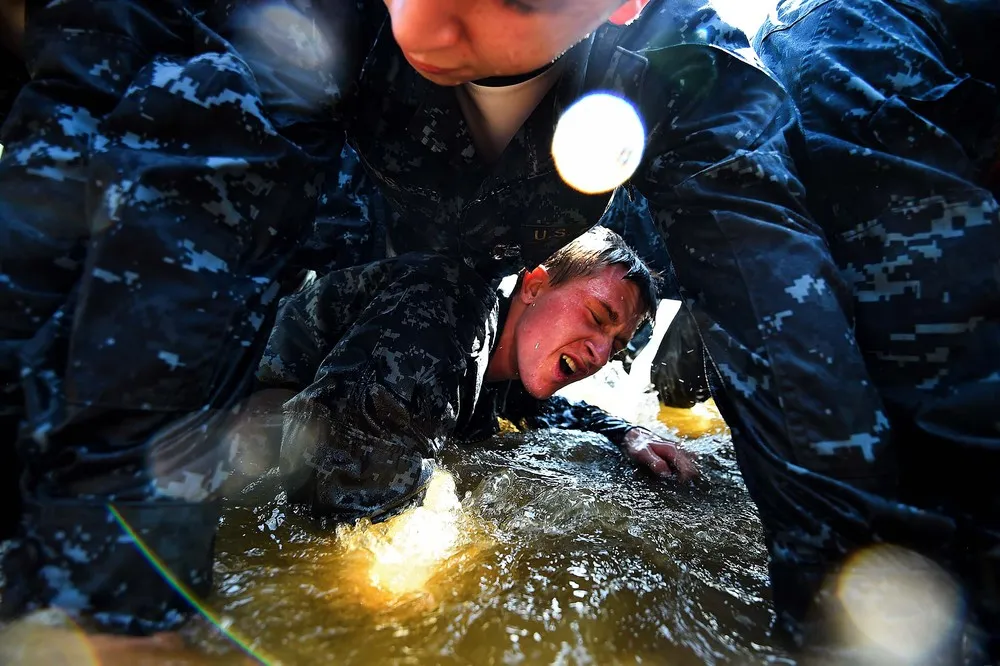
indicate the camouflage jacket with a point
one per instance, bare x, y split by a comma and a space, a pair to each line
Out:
678, 63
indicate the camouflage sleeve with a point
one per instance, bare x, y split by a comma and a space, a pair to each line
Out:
900, 106
393, 375
304, 56
149, 210
774, 312
315, 318
558, 412
350, 222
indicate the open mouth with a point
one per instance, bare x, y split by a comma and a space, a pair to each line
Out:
567, 365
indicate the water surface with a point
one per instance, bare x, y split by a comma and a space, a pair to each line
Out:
545, 547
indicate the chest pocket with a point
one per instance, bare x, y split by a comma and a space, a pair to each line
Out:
559, 215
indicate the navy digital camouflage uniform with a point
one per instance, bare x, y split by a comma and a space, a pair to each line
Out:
680, 368
388, 363
150, 209
901, 112
164, 163
773, 310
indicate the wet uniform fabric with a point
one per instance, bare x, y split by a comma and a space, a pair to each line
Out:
388, 361
680, 368
148, 208
163, 168
901, 113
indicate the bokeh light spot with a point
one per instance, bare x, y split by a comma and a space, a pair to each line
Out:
47, 636
898, 601
598, 143
293, 36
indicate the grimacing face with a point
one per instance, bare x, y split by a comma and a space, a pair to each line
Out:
451, 42
570, 330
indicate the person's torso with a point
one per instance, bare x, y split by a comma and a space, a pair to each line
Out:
415, 141
413, 138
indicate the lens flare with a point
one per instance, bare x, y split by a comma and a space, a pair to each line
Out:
46, 637
598, 143
232, 634
292, 35
897, 601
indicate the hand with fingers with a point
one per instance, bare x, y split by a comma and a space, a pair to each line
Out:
662, 457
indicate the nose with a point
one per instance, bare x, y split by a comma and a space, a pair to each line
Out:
425, 26
599, 351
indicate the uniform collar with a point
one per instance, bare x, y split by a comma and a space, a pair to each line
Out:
439, 125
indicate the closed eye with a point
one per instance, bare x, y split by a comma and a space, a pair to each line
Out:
519, 7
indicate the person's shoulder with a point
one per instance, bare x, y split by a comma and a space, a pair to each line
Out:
696, 59
670, 23
438, 273
704, 93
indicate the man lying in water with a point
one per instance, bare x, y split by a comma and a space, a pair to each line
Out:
392, 359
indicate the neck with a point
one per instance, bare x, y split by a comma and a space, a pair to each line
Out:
501, 81
503, 362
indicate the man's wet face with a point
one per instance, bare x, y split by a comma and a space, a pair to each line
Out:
455, 41
570, 331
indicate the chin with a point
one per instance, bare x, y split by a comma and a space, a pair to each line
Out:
443, 81
539, 392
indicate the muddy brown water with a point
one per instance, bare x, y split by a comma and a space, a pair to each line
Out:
538, 548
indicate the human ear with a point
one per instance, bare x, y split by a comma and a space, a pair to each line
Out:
533, 283
627, 12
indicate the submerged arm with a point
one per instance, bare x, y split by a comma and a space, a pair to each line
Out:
642, 445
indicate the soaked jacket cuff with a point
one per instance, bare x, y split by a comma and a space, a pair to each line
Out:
114, 567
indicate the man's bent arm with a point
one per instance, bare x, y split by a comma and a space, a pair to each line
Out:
558, 412
808, 424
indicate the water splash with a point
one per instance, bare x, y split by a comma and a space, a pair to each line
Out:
395, 562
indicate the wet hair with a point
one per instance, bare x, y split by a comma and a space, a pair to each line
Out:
599, 248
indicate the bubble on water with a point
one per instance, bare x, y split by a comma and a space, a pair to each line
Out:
598, 143
897, 601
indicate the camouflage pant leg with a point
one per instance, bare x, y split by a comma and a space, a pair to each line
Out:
899, 136
395, 355
148, 209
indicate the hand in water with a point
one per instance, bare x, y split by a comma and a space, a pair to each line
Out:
663, 458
